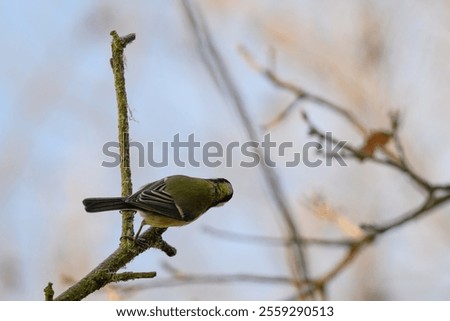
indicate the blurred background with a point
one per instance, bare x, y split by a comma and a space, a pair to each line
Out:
58, 109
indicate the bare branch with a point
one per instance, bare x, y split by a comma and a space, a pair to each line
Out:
105, 272
117, 63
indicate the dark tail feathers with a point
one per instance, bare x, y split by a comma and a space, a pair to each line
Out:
101, 204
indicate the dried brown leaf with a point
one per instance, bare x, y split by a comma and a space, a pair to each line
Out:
376, 140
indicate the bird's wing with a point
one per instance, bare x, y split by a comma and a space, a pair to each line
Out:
154, 198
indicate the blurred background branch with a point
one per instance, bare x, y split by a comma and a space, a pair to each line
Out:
372, 73
218, 70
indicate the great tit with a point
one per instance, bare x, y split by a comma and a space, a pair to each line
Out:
172, 201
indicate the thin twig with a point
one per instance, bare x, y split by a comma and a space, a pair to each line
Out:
190, 279
352, 252
275, 241
395, 125
360, 155
430, 203
300, 93
277, 119
126, 276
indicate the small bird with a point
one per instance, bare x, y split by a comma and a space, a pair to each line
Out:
172, 201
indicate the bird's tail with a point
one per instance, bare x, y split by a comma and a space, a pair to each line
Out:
101, 204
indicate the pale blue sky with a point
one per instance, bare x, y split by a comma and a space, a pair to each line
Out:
57, 104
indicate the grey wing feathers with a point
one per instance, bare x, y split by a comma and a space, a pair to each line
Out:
154, 198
